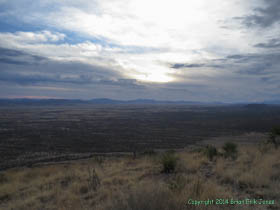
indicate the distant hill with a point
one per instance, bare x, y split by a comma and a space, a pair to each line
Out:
42, 102
256, 106
23, 101
11, 102
272, 102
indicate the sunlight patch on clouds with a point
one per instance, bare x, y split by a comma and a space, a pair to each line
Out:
33, 37
180, 27
175, 24
146, 71
181, 32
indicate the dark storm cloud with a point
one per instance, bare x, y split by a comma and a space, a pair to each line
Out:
243, 58
258, 69
251, 65
16, 57
255, 64
263, 17
32, 71
10, 52
212, 64
272, 58
237, 57
37, 79
23, 79
186, 65
11, 61
272, 43
267, 79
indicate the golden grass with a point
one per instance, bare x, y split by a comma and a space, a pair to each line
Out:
127, 183
191, 162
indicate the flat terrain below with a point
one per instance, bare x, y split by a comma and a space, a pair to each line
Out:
32, 134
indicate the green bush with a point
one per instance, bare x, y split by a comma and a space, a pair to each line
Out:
274, 135
210, 152
169, 162
230, 150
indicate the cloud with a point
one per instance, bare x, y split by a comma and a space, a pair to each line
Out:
271, 44
11, 61
265, 16
174, 24
33, 37
54, 79
39, 68
182, 65
230, 69
36, 70
129, 49
38, 49
10, 52
16, 57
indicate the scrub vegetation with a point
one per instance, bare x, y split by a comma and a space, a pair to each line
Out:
154, 180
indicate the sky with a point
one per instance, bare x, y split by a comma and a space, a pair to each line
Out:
195, 50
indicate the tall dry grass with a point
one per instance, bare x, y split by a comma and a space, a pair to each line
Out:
127, 183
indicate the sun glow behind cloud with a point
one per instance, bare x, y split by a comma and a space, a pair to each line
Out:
190, 48
175, 27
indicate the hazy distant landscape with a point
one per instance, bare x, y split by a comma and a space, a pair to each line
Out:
39, 133
138, 156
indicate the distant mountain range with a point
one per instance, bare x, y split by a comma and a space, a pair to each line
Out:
24, 101
272, 102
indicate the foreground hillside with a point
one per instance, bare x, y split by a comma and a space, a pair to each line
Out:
139, 183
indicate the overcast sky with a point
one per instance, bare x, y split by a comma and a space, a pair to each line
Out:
195, 50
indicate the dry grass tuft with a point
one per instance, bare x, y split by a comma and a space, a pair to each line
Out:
148, 196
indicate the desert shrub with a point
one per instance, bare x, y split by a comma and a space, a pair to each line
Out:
83, 189
177, 182
146, 197
169, 162
66, 180
274, 136
99, 159
93, 179
265, 146
3, 178
210, 151
5, 197
230, 150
